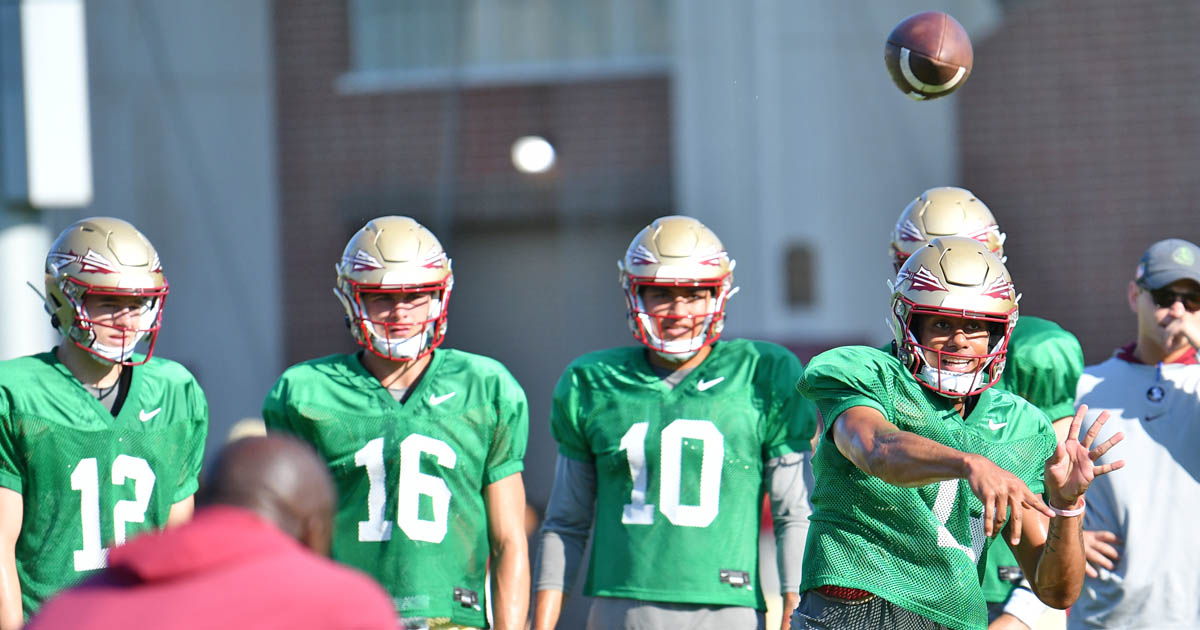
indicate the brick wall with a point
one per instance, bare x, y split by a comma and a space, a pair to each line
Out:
345, 158
1080, 128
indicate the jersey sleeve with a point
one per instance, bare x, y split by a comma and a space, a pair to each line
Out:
1045, 370
10, 459
842, 378
506, 455
1023, 452
1042, 444
793, 418
275, 410
189, 482
564, 421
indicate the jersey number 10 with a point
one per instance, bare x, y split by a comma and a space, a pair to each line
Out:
413, 483
637, 511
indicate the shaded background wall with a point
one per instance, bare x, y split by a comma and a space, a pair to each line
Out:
183, 146
1081, 129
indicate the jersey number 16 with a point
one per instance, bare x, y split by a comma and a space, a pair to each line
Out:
412, 484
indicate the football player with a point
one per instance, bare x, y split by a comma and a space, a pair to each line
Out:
97, 442
1044, 363
922, 460
667, 448
426, 445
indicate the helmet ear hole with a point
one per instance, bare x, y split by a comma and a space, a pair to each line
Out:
346, 319
55, 321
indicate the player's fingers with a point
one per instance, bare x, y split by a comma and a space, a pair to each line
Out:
989, 512
1104, 552
1097, 559
1090, 570
1034, 501
1106, 445
1107, 468
1076, 422
1104, 536
1094, 430
1001, 513
1056, 458
1014, 522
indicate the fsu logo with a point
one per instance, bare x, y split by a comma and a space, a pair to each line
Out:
642, 256
91, 262
920, 280
437, 260
999, 288
909, 232
984, 234
361, 261
714, 260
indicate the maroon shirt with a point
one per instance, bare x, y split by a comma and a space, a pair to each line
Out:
227, 568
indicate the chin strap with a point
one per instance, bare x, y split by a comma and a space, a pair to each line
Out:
960, 383
114, 354
403, 349
677, 357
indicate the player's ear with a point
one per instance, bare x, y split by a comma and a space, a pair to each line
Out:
1133, 296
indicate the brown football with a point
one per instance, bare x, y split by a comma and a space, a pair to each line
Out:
928, 55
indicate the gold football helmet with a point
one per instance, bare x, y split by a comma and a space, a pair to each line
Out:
945, 211
957, 277
676, 251
103, 256
394, 255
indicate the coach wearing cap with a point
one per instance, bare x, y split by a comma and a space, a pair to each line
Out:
1142, 549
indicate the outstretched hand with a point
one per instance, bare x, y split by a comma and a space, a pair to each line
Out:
1001, 492
1071, 469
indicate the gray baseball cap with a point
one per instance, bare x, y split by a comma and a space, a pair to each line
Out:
1167, 261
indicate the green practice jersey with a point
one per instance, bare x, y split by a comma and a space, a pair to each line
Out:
679, 471
411, 476
89, 480
1043, 366
919, 548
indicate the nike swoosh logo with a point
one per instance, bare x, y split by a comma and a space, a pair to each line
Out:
996, 426
144, 415
437, 400
703, 384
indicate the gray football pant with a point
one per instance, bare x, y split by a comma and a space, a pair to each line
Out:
612, 613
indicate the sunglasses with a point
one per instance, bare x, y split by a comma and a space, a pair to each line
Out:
1166, 298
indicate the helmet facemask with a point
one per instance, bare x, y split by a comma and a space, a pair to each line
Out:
432, 329
648, 327
951, 383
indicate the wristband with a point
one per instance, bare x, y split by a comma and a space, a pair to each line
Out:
1068, 513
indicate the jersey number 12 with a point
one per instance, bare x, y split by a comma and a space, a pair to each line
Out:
86, 479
